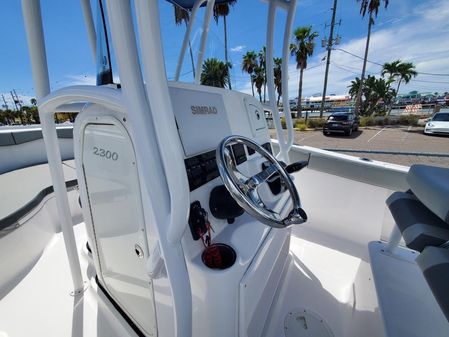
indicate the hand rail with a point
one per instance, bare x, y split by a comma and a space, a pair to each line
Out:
290, 6
185, 41
105, 96
148, 108
206, 25
89, 21
35, 37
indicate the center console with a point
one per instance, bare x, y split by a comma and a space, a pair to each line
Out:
255, 254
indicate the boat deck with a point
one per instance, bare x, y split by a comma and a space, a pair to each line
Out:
51, 309
336, 287
336, 272
20, 187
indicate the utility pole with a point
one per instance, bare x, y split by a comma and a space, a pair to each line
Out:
5, 105
328, 44
16, 100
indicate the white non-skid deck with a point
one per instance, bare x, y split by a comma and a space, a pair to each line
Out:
40, 304
386, 296
332, 285
336, 271
19, 187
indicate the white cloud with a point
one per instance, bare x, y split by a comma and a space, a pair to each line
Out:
420, 38
88, 79
238, 49
80, 80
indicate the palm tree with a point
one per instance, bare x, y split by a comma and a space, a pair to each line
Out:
215, 73
34, 111
406, 72
263, 65
259, 79
372, 6
374, 90
379, 89
302, 49
391, 69
249, 63
223, 11
183, 15
278, 77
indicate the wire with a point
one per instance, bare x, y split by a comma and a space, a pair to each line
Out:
350, 71
381, 65
359, 57
345, 68
318, 65
358, 71
440, 82
432, 74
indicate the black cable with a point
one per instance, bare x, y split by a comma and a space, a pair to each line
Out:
381, 65
359, 57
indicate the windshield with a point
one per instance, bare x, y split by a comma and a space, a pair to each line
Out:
104, 69
441, 117
338, 118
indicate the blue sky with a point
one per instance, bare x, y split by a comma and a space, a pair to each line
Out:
412, 30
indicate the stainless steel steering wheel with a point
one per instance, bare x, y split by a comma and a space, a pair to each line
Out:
245, 189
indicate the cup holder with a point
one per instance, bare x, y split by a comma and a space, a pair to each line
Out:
218, 256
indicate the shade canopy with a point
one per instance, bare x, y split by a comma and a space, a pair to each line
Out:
188, 4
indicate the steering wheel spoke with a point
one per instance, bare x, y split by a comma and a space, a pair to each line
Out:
244, 189
261, 177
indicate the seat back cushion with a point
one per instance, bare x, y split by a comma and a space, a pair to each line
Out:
430, 184
434, 263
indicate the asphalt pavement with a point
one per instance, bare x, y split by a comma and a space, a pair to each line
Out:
401, 145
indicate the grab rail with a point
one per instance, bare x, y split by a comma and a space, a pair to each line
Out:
35, 37
206, 24
290, 7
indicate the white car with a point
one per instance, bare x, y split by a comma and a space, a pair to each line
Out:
439, 124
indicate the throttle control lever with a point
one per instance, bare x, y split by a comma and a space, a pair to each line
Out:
295, 167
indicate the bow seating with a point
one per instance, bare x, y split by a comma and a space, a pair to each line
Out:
422, 219
421, 214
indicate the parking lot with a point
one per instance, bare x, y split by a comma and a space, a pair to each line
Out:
399, 144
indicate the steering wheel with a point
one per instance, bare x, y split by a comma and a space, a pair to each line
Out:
244, 189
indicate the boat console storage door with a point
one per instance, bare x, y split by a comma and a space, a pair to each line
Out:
115, 207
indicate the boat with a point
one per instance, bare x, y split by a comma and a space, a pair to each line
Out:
179, 216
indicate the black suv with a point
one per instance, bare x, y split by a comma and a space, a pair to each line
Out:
342, 122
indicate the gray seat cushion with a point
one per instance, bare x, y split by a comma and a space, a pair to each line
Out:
434, 263
430, 184
419, 226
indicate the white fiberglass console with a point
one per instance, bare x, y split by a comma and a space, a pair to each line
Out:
206, 115
240, 288
248, 279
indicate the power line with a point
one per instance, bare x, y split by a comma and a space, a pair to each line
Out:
358, 56
318, 65
440, 82
432, 74
381, 65
353, 70
345, 68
